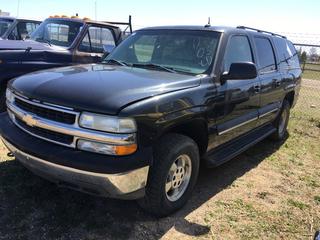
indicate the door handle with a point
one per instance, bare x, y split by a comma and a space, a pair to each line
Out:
257, 88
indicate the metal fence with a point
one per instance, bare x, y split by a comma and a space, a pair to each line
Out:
309, 101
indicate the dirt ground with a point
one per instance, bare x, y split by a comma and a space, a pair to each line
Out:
272, 191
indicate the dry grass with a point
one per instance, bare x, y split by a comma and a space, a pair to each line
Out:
270, 192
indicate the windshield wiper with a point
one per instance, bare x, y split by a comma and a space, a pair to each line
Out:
116, 62
155, 66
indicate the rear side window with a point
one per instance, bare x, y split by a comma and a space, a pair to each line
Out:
294, 59
95, 39
265, 55
238, 50
288, 55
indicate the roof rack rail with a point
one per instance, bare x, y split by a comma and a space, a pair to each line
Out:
261, 31
128, 24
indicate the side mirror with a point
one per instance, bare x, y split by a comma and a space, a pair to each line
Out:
108, 48
241, 71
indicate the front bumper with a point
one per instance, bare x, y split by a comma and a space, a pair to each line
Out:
122, 177
129, 185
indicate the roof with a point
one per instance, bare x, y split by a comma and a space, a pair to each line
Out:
190, 27
222, 29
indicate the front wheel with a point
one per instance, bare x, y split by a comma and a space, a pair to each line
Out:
281, 123
172, 176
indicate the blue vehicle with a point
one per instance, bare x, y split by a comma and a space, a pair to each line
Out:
58, 42
17, 29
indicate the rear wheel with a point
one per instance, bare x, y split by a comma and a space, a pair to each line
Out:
281, 123
172, 176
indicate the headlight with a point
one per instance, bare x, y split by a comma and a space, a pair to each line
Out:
107, 123
9, 96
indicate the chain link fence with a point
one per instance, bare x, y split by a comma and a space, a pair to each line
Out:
309, 99
308, 48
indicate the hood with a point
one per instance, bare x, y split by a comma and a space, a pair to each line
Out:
25, 44
99, 88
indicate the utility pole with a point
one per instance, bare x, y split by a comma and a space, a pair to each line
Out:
18, 8
95, 10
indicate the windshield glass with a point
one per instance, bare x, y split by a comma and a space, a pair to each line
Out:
57, 32
4, 25
185, 51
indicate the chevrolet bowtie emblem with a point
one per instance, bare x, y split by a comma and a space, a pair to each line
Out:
29, 120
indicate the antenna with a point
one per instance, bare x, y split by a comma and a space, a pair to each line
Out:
209, 23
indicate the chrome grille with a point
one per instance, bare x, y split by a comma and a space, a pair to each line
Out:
47, 113
46, 134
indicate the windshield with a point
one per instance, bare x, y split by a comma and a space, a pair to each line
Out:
4, 25
183, 51
57, 32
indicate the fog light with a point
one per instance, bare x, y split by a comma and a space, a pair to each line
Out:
104, 148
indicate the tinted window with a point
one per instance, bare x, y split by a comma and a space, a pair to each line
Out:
288, 55
85, 44
57, 32
294, 58
185, 51
22, 30
95, 39
4, 25
14, 34
30, 27
238, 50
265, 54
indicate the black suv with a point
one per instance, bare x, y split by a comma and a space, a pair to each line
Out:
57, 42
17, 29
137, 125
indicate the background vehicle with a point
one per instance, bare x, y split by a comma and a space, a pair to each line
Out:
58, 41
17, 29
137, 125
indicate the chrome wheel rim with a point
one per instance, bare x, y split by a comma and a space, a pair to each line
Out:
282, 123
178, 178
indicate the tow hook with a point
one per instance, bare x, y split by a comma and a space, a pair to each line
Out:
10, 154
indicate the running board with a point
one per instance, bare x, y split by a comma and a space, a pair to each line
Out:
230, 150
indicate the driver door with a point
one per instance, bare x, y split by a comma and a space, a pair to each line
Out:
238, 100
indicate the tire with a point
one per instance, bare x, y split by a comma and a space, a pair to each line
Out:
171, 151
3, 106
281, 122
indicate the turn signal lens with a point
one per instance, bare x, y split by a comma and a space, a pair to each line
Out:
125, 150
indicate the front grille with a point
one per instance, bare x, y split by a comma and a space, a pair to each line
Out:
47, 113
50, 135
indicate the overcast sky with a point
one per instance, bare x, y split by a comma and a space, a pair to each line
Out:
274, 15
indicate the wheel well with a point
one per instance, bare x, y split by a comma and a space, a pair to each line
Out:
290, 98
196, 130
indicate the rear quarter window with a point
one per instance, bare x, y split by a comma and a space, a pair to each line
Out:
288, 56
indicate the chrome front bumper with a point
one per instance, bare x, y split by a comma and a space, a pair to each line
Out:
129, 185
